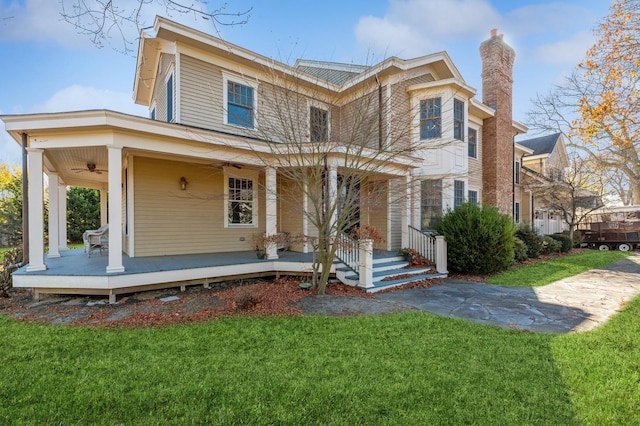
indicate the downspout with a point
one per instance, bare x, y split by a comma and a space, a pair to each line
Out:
25, 202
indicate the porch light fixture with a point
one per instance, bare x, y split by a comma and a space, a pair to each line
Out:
183, 183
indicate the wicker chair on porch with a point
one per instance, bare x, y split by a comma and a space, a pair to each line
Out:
96, 239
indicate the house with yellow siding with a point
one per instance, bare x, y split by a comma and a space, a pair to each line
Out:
185, 191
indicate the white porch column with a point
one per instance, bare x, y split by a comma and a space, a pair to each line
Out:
115, 210
103, 208
271, 210
333, 196
406, 213
365, 268
305, 215
36, 211
62, 217
54, 212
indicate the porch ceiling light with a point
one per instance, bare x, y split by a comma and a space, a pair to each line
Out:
183, 183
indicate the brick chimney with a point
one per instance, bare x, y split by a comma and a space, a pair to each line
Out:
497, 136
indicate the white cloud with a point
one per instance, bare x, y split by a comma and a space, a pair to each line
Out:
418, 27
41, 21
566, 52
77, 98
547, 18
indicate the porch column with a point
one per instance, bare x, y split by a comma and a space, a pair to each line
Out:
36, 211
406, 213
115, 210
54, 212
271, 210
62, 217
305, 215
103, 207
333, 196
365, 267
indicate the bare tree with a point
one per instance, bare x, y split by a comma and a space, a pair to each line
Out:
339, 156
104, 21
574, 191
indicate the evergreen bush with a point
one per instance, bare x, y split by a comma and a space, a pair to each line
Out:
550, 245
480, 240
530, 237
519, 250
565, 241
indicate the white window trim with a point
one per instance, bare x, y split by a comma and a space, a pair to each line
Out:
477, 191
478, 133
170, 74
465, 114
227, 173
226, 78
315, 104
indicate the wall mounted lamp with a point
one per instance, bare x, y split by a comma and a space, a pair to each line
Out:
183, 183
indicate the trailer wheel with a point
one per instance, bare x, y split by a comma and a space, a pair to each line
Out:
603, 247
624, 247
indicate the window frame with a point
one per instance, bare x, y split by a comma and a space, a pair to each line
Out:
327, 127
428, 202
253, 178
516, 212
430, 112
226, 79
459, 193
458, 121
472, 199
516, 172
170, 97
472, 153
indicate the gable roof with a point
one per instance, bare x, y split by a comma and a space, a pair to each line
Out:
542, 144
333, 72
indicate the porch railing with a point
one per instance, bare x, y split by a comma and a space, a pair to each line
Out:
347, 250
431, 247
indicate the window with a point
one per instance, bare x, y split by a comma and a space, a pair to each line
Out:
473, 197
170, 99
458, 119
458, 193
516, 177
473, 142
318, 124
240, 201
516, 212
239, 104
430, 203
430, 119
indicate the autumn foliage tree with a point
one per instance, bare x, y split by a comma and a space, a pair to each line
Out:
597, 106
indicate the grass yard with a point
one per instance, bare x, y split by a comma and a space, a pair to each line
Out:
543, 273
409, 368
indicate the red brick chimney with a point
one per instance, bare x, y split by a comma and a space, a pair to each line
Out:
497, 137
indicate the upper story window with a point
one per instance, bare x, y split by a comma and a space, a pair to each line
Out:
472, 142
170, 99
458, 193
458, 119
430, 118
318, 124
516, 172
240, 104
240, 206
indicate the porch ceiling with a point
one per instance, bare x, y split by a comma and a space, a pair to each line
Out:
81, 166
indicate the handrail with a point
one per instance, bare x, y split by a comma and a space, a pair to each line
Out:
424, 243
347, 250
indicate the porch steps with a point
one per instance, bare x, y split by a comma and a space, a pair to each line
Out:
387, 268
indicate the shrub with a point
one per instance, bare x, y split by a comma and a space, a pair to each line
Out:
530, 237
550, 245
565, 241
246, 299
480, 240
519, 250
11, 261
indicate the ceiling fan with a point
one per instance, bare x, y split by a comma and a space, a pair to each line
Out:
91, 167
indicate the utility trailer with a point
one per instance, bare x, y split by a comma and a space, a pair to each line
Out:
612, 228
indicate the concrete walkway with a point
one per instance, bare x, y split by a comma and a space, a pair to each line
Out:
578, 303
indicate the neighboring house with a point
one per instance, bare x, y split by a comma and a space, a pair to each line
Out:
192, 179
543, 160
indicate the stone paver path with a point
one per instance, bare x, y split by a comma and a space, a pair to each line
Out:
578, 303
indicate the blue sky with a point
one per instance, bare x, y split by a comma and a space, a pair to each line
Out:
47, 66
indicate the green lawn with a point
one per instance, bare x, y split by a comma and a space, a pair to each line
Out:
544, 273
408, 368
